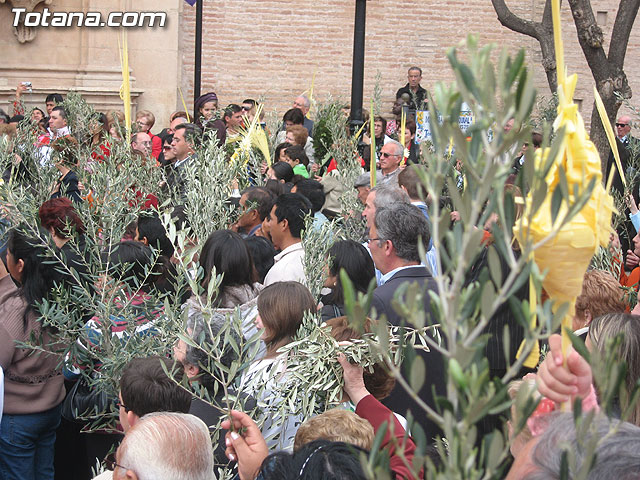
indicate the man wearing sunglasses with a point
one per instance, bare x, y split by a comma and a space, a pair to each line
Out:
628, 148
391, 155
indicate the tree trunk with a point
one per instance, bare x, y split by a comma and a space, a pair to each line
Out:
607, 71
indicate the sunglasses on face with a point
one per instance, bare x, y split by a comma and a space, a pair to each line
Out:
387, 155
621, 124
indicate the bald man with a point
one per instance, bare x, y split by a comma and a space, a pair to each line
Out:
629, 148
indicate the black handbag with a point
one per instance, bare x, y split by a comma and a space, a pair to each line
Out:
85, 402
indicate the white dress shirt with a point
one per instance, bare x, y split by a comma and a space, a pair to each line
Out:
288, 266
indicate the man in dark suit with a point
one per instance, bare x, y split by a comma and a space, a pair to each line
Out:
629, 150
393, 239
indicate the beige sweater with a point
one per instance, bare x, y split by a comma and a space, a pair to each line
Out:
33, 381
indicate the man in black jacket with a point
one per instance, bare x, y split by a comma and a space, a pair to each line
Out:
412, 92
393, 239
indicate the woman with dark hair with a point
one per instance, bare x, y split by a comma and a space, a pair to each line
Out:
358, 265
281, 171
99, 129
279, 152
227, 253
262, 252
34, 387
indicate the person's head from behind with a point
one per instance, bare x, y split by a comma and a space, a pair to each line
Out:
133, 265
357, 264
151, 232
320, 459
145, 387
195, 356
226, 252
256, 203
281, 308
280, 171
378, 382
409, 181
395, 234
297, 135
380, 197
293, 116
562, 445
59, 217
165, 445
626, 328
262, 253
313, 191
601, 293
52, 101
186, 138
335, 425
285, 222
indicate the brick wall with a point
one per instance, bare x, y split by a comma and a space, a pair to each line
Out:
272, 48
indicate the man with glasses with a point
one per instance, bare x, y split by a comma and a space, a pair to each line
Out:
145, 120
391, 155
394, 238
629, 150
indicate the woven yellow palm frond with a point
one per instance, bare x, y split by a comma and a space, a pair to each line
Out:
566, 256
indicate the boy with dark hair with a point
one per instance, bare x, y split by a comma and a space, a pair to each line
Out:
145, 387
297, 158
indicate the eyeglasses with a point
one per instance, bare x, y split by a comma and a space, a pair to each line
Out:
245, 108
621, 124
110, 462
369, 240
120, 404
387, 155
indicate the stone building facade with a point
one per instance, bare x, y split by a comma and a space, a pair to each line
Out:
272, 49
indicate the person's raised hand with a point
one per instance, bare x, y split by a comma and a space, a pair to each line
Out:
632, 260
245, 444
20, 89
353, 380
562, 384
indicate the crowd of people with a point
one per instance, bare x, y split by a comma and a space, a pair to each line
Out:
170, 405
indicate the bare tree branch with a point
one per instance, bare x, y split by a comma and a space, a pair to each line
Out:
513, 22
627, 12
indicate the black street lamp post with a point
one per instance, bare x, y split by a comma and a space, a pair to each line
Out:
357, 73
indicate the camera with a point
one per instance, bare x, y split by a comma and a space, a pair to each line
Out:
28, 85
